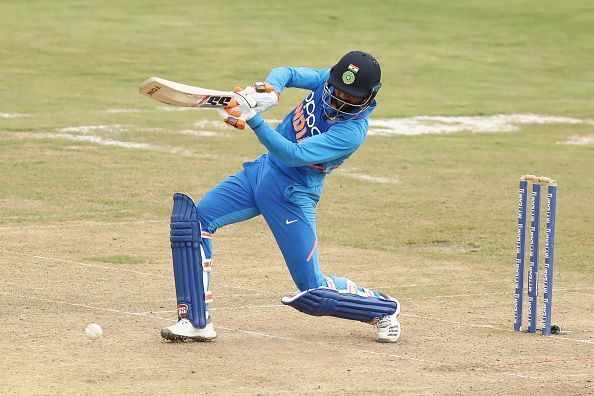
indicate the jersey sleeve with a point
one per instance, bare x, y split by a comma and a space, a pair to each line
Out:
340, 140
297, 77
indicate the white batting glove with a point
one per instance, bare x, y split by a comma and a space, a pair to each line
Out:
239, 111
264, 94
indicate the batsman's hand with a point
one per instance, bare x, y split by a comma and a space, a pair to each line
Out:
264, 94
240, 110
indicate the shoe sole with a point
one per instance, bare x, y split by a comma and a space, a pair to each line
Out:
168, 335
386, 341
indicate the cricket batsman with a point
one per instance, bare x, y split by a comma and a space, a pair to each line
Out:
284, 186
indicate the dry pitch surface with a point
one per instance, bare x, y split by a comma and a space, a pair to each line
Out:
456, 323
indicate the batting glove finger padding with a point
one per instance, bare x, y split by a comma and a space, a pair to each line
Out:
264, 95
232, 117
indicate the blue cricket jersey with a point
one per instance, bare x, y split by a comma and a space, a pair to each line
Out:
305, 146
285, 185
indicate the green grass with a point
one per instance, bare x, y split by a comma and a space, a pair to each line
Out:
65, 63
68, 59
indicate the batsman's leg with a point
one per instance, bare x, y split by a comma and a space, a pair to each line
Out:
191, 229
291, 217
191, 271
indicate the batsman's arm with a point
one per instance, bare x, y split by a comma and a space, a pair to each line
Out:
297, 77
338, 141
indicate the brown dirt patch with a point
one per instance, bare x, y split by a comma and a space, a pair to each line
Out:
456, 321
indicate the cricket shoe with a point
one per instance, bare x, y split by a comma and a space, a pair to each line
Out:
388, 327
184, 331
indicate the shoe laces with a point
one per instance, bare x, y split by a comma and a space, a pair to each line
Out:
384, 322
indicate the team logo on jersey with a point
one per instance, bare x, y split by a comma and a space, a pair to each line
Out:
304, 119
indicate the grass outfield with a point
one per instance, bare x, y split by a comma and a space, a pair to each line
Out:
463, 57
451, 210
67, 64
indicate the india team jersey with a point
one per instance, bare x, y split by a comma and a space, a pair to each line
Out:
306, 145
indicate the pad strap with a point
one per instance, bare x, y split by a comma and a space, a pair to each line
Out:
191, 278
327, 302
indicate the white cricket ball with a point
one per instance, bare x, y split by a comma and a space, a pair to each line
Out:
93, 331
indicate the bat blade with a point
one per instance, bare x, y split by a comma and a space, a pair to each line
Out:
182, 95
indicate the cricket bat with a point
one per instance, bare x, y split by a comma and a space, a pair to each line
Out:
183, 95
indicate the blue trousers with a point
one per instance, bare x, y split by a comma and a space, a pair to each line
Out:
289, 210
